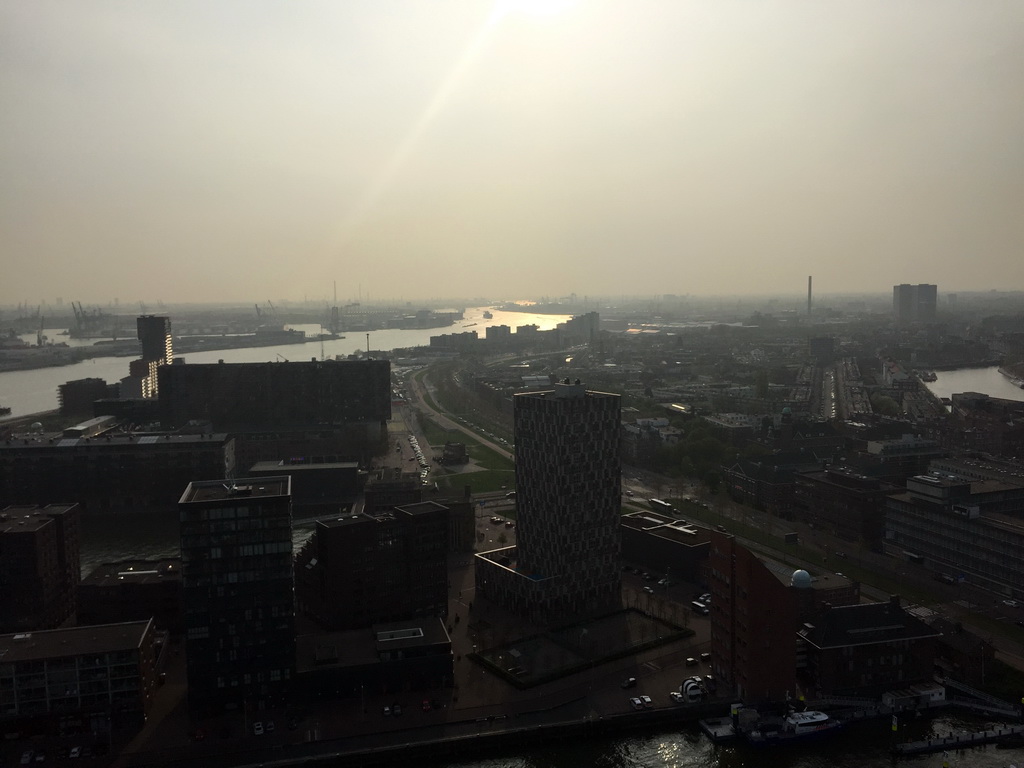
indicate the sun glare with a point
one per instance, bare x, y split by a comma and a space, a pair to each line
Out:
535, 8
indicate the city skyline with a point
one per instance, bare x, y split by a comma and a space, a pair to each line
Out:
190, 152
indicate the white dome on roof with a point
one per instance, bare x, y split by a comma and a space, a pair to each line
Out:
800, 579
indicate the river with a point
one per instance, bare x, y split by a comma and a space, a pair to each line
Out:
862, 745
988, 381
35, 391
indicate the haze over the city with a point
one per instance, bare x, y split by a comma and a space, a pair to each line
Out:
195, 151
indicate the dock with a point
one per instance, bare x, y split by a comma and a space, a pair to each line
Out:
960, 740
718, 729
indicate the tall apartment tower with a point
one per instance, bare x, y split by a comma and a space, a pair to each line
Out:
568, 507
914, 303
238, 592
142, 380
155, 334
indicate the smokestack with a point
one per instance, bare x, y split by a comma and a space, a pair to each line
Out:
809, 278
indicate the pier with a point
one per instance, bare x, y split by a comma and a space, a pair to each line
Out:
960, 740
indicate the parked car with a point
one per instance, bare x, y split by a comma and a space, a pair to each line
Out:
691, 662
676, 697
629, 682
636, 703
647, 702
257, 728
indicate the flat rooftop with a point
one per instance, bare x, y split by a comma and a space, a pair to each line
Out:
75, 641
245, 488
134, 572
57, 440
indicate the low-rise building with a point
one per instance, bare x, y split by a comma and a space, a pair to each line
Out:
866, 650
91, 679
384, 658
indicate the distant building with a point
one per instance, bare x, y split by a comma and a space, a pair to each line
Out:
39, 566
142, 380
83, 681
498, 333
361, 569
155, 334
843, 503
238, 590
914, 303
279, 396
77, 397
568, 508
580, 329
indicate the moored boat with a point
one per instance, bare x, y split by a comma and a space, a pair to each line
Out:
797, 726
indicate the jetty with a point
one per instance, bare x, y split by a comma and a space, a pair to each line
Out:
960, 740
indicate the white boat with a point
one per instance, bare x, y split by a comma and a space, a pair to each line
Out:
797, 726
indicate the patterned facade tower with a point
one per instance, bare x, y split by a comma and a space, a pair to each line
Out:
568, 485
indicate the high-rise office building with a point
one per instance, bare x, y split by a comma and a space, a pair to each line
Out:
914, 303
238, 592
568, 486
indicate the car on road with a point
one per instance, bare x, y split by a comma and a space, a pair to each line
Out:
629, 682
270, 726
396, 709
649, 590
1010, 603
691, 662
26, 756
386, 711
636, 703
705, 657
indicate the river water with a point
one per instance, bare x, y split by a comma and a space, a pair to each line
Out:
861, 745
988, 381
35, 391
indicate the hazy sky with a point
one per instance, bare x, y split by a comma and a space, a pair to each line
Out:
436, 148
